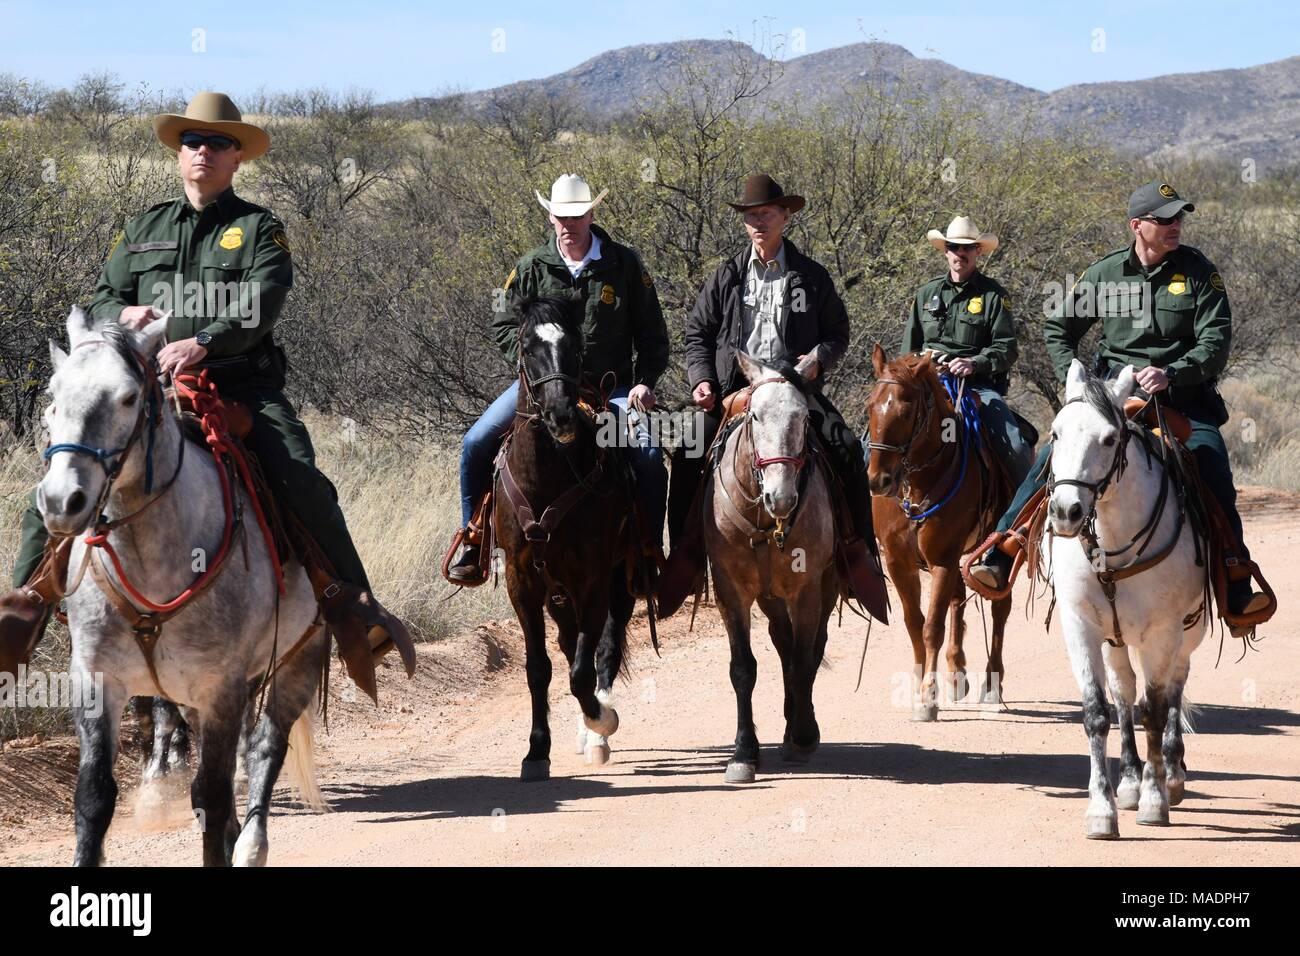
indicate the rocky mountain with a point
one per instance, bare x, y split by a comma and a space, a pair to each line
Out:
1229, 114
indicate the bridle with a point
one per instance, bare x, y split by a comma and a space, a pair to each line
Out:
148, 417
919, 428
529, 385
1118, 462
759, 463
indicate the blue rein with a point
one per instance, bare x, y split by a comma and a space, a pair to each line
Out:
968, 416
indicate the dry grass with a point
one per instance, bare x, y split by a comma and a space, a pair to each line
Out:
1263, 438
402, 504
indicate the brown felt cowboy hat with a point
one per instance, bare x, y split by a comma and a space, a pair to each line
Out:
213, 111
964, 232
762, 190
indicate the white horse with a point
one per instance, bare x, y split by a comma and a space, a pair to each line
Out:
106, 412
1105, 484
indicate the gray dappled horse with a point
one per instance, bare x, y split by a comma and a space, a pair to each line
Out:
769, 531
110, 428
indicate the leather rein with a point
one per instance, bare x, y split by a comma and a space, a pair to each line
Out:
1088, 540
146, 625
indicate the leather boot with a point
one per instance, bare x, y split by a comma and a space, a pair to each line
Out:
993, 569
365, 632
23, 616
467, 571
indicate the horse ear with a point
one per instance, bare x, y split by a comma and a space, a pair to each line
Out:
878, 360
752, 369
1125, 384
57, 355
150, 338
923, 366
1075, 379
80, 324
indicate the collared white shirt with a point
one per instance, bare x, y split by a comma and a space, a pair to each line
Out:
577, 265
764, 307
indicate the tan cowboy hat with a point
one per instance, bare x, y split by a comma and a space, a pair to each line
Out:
963, 231
570, 196
212, 111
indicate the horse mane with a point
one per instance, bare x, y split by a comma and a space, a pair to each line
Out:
123, 341
786, 370
907, 368
1098, 396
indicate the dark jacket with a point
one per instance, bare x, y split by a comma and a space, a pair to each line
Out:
816, 320
621, 312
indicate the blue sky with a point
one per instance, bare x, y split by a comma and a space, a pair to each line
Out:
398, 49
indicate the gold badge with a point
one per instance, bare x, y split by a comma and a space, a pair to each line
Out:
648, 279
1177, 288
1216, 281
607, 294
1168, 191
280, 239
232, 238
976, 305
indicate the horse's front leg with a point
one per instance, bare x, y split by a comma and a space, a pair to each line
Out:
598, 718
1172, 744
807, 619
537, 663
1083, 639
901, 565
735, 613
1123, 688
1159, 667
97, 726
213, 792
943, 584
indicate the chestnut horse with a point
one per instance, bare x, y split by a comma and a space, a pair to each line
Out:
933, 499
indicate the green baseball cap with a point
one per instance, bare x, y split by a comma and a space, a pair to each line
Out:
1156, 199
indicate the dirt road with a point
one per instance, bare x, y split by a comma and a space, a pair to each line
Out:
432, 777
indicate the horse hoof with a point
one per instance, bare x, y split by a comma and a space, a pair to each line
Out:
1126, 798
535, 770
597, 754
740, 772
581, 746
605, 724
1175, 792
1102, 828
1153, 816
991, 696
960, 688
794, 753
924, 713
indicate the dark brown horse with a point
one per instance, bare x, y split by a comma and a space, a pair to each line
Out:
921, 462
561, 509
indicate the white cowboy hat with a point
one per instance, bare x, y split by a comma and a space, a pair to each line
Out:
964, 232
570, 196
212, 111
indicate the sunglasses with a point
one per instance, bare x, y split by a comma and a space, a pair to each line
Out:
1165, 220
215, 142
962, 246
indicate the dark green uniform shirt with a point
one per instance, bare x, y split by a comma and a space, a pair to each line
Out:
225, 271
968, 320
620, 310
1174, 316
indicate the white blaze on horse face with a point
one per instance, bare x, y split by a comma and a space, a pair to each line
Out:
779, 413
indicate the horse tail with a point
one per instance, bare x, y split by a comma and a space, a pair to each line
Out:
1188, 714
301, 761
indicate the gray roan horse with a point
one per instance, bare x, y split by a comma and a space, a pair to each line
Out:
770, 536
112, 438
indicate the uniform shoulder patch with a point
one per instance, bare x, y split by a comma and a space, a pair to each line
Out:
647, 279
116, 242
510, 279
1216, 282
280, 238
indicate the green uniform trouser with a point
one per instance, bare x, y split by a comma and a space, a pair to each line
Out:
1009, 443
284, 449
1206, 445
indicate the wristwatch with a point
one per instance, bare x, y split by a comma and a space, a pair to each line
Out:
204, 339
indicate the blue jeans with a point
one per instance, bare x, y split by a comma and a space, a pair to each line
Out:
1009, 443
482, 441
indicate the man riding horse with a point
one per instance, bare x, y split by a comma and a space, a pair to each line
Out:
966, 316
621, 319
775, 304
1164, 310
210, 237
